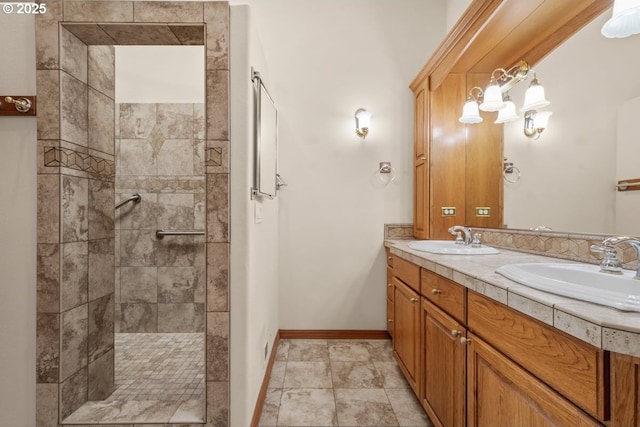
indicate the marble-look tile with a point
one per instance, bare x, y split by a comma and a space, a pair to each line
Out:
98, 11
176, 157
543, 313
137, 318
282, 352
73, 343
199, 123
218, 105
47, 347
175, 211
216, 16
349, 351
277, 374
48, 93
138, 216
307, 375
218, 404
137, 248
101, 212
138, 284
73, 110
175, 121
190, 411
381, 350
101, 119
73, 393
101, 268
217, 156
48, 278
198, 157
75, 275
218, 207
163, 11
365, 407
181, 317
199, 292
101, 377
150, 34
444, 271
491, 291
136, 120
269, 415
621, 341
180, 251
308, 351
407, 408
47, 405
47, 33
75, 209
135, 411
392, 376
90, 33
101, 321
177, 284
307, 407
217, 276
189, 35
136, 157
356, 375
602, 315
579, 328
73, 55
217, 346
101, 74
48, 210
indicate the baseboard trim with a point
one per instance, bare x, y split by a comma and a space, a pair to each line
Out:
262, 395
349, 334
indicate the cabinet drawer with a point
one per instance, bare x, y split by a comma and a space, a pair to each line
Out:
572, 367
408, 272
444, 293
389, 284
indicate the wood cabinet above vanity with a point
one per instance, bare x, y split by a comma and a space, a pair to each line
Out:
459, 168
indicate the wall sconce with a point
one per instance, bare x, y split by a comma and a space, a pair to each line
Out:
534, 96
470, 112
363, 118
508, 113
535, 122
625, 20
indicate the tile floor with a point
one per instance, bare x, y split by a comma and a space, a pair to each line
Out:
339, 383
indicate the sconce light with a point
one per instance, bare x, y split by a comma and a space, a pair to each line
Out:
508, 113
625, 20
535, 122
493, 94
470, 112
363, 118
534, 96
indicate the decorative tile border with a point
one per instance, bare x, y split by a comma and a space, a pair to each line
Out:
64, 157
213, 156
398, 231
159, 184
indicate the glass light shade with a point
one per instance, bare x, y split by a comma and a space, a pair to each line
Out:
508, 113
363, 118
534, 98
492, 98
625, 20
470, 113
541, 119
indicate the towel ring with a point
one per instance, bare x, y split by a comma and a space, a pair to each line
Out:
509, 170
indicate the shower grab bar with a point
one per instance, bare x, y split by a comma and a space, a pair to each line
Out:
161, 233
134, 198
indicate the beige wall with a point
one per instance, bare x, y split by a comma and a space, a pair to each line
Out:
17, 228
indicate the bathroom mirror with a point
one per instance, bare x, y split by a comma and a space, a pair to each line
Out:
266, 141
568, 175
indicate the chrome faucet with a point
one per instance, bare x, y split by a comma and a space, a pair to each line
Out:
613, 242
456, 229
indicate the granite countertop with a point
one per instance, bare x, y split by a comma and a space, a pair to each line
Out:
603, 327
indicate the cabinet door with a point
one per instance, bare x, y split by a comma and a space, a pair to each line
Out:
501, 394
421, 162
625, 391
406, 340
443, 367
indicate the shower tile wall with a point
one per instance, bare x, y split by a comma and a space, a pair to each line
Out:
160, 283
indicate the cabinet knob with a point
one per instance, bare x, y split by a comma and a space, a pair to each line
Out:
464, 340
390, 258
390, 285
414, 300
423, 158
455, 333
390, 321
436, 291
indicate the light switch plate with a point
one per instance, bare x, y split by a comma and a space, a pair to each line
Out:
483, 211
258, 212
448, 211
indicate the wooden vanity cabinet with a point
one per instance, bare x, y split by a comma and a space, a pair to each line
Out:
421, 162
625, 391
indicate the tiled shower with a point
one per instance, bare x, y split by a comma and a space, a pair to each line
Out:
101, 271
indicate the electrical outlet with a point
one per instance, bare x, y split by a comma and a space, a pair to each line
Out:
483, 211
449, 211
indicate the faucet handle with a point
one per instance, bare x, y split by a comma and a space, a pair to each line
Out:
610, 263
459, 239
475, 243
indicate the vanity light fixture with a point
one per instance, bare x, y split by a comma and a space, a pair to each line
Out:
508, 113
493, 95
625, 20
363, 119
470, 112
535, 122
534, 96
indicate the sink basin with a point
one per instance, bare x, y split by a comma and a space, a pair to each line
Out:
448, 247
580, 281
